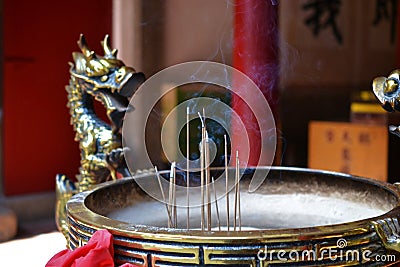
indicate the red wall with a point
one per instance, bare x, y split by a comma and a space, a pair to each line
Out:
39, 37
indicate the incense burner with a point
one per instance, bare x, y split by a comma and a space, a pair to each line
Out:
297, 217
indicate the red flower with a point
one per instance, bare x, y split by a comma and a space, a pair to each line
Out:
98, 252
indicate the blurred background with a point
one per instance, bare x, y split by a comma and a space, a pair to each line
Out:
328, 53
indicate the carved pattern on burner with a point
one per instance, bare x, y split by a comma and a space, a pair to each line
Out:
159, 253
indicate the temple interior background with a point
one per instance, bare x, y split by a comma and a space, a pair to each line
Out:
323, 67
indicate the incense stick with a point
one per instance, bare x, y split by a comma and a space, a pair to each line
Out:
205, 190
207, 171
236, 190
238, 186
226, 182
216, 203
163, 196
175, 206
202, 151
208, 181
172, 196
187, 168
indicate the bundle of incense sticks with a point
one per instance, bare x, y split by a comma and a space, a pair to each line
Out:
206, 181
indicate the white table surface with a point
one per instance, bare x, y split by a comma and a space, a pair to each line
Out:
35, 251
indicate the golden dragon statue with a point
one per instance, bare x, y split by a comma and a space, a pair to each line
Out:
96, 78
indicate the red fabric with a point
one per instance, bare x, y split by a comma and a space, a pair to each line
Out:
98, 252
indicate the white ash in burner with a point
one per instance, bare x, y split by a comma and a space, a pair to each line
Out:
275, 211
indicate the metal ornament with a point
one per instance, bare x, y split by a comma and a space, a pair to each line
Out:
96, 78
387, 90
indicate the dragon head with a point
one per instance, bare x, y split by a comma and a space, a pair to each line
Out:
105, 72
105, 78
387, 90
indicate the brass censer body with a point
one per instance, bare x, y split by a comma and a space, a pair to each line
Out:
297, 217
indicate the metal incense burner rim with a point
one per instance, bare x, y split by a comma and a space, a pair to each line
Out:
146, 245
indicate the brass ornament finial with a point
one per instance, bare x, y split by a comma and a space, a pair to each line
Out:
386, 89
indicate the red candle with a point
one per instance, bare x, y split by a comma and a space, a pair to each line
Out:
255, 53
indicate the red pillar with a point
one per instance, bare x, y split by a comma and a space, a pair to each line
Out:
255, 53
